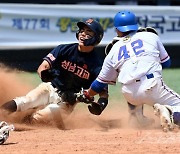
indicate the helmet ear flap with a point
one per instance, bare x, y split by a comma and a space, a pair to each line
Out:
92, 41
77, 34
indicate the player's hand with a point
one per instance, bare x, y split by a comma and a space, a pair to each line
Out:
85, 97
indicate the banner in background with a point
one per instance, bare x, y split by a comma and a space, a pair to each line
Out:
43, 26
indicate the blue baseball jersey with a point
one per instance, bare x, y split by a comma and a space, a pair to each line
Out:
76, 69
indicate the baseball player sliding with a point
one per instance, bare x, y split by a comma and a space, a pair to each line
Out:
64, 71
136, 61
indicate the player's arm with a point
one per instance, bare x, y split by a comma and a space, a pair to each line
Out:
96, 88
100, 86
166, 64
95, 108
101, 89
43, 66
164, 56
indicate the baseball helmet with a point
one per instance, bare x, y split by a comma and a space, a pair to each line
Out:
125, 21
95, 27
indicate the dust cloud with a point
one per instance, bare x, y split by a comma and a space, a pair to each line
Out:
11, 85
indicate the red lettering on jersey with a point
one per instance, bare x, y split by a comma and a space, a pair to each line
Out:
85, 74
65, 64
72, 67
77, 70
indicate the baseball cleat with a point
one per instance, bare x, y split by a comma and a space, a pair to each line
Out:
165, 117
4, 131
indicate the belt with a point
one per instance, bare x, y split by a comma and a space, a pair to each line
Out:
148, 76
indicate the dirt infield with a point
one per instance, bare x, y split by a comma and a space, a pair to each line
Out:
85, 133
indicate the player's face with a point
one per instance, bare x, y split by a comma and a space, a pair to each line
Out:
120, 34
85, 33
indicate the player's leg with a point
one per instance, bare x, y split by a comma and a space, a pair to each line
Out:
167, 107
9, 106
37, 97
164, 95
55, 113
169, 116
135, 107
137, 117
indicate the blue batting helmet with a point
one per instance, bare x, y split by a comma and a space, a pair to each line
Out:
125, 21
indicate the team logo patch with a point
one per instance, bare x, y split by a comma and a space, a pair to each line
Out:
89, 21
51, 57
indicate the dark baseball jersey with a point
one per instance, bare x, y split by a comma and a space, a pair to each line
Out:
77, 69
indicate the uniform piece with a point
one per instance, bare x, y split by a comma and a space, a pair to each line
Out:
169, 116
76, 70
136, 61
136, 116
64, 71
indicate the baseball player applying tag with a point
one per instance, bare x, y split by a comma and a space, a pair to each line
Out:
136, 60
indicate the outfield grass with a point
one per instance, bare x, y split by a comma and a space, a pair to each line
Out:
172, 79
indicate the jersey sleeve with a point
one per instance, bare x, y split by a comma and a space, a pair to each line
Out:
108, 73
163, 53
51, 57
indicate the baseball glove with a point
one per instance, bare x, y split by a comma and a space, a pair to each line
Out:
93, 107
49, 74
97, 108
